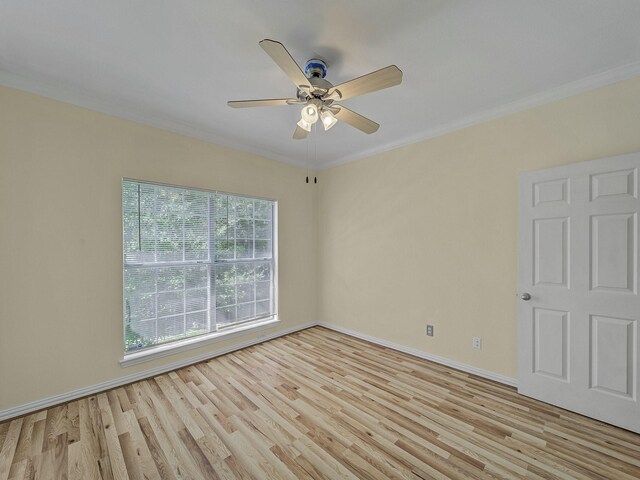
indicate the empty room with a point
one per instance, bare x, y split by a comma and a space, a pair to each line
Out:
356, 239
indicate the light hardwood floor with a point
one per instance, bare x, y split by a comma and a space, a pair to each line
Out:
314, 404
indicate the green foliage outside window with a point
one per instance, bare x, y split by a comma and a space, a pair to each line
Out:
195, 261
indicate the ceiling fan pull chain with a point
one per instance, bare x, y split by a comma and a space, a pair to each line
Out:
315, 150
307, 162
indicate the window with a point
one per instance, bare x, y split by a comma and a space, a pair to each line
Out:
195, 262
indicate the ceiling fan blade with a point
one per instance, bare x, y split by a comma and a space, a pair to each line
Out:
267, 102
384, 78
285, 61
300, 133
354, 119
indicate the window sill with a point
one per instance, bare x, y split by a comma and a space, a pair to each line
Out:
191, 343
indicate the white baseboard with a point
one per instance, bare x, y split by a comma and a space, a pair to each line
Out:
117, 382
427, 356
108, 385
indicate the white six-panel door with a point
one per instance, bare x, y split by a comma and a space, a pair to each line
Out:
578, 333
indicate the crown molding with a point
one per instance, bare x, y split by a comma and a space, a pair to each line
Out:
91, 101
592, 82
97, 103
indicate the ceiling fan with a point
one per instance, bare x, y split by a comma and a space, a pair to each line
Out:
318, 96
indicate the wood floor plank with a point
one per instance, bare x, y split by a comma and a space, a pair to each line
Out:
18, 470
75, 461
9, 446
163, 466
138, 451
113, 447
315, 404
160, 426
23, 446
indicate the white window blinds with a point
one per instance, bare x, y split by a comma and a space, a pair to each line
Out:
194, 262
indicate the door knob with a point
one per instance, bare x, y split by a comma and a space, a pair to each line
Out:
525, 296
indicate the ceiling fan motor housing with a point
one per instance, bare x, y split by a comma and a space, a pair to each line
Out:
315, 68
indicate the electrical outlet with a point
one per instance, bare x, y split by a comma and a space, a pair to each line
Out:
430, 330
477, 343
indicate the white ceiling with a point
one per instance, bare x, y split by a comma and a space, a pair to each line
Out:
174, 64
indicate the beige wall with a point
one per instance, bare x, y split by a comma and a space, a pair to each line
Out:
421, 234
428, 233
61, 242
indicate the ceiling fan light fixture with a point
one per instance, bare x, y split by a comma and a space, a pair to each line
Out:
318, 95
310, 113
304, 125
328, 120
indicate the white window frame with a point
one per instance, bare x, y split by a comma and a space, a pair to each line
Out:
218, 333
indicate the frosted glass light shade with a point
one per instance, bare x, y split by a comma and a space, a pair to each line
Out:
328, 120
304, 125
310, 114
